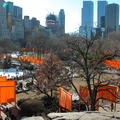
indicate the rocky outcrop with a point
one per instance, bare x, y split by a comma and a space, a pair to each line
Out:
85, 116
80, 116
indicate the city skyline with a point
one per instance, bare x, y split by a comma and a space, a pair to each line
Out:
72, 9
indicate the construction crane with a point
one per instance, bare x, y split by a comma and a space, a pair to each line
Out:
47, 11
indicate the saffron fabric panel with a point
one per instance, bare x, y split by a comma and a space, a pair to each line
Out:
7, 91
108, 93
84, 93
65, 99
7, 83
112, 63
7, 94
4, 78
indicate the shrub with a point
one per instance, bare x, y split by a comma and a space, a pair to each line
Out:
19, 102
51, 103
32, 107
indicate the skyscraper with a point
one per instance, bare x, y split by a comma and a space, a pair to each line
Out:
87, 19
87, 13
33, 22
112, 17
51, 23
101, 13
3, 23
61, 25
27, 23
10, 8
18, 12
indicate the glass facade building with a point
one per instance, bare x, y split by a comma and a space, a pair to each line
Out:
101, 13
111, 18
87, 13
61, 25
87, 19
18, 12
10, 8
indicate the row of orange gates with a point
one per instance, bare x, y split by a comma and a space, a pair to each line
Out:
107, 93
29, 59
24, 58
112, 63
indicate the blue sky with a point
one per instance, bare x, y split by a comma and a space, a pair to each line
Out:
72, 8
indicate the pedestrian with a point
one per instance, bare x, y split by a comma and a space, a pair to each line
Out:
7, 111
112, 107
82, 107
10, 112
21, 85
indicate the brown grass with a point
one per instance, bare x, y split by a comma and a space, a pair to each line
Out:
32, 94
77, 82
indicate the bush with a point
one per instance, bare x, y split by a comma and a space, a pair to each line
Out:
19, 102
32, 107
51, 103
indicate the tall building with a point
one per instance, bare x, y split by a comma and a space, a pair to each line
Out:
35, 23
27, 23
111, 17
87, 13
18, 12
3, 23
51, 23
101, 13
9, 21
9, 14
61, 22
87, 18
17, 30
10, 8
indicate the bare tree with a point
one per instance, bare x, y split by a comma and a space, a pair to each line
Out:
87, 56
7, 45
38, 42
33, 40
51, 75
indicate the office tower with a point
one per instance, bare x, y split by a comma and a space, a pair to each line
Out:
61, 22
101, 13
51, 23
9, 21
87, 19
9, 14
3, 23
87, 13
27, 23
112, 17
35, 23
18, 12
38, 24
10, 8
